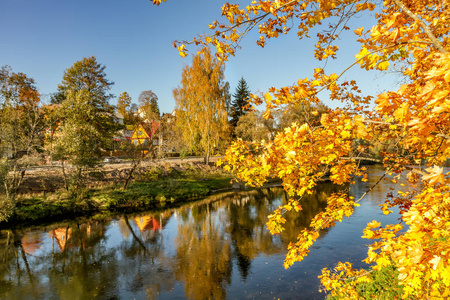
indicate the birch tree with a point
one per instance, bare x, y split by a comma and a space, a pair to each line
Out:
202, 101
148, 105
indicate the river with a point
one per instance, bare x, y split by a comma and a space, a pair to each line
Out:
216, 248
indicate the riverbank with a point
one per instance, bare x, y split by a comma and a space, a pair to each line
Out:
155, 186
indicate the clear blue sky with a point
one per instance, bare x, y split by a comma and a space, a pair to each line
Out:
133, 39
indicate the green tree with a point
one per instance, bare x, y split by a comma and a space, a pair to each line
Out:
21, 123
253, 127
239, 105
148, 105
86, 74
300, 113
87, 118
201, 104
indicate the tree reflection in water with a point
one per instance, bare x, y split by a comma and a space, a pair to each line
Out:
127, 257
203, 255
144, 266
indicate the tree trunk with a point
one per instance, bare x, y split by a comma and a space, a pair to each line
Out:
208, 154
78, 178
66, 186
130, 174
140, 242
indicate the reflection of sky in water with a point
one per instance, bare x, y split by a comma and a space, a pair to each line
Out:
140, 272
169, 233
114, 238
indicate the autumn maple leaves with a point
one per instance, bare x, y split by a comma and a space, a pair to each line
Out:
412, 122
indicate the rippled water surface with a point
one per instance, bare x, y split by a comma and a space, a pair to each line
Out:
217, 248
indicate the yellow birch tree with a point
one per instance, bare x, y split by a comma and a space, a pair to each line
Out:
415, 118
124, 105
201, 104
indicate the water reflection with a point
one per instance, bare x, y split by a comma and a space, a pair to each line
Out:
203, 260
209, 249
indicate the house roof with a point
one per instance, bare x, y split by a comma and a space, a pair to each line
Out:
149, 128
146, 223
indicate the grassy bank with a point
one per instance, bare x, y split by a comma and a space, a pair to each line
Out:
155, 188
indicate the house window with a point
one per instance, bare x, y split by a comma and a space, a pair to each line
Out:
136, 142
139, 132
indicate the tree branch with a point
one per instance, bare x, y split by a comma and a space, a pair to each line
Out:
373, 186
422, 24
362, 158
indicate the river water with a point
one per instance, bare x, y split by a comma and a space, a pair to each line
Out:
216, 248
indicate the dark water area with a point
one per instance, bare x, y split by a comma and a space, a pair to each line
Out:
217, 248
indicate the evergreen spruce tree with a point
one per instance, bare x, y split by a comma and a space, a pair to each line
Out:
238, 105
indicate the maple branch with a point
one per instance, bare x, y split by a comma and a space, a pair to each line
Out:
439, 147
358, 276
422, 24
415, 170
345, 16
372, 187
362, 158
249, 27
370, 53
379, 122
357, 62
445, 136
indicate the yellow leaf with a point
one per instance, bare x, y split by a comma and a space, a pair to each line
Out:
373, 224
345, 134
157, 2
447, 77
436, 262
359, 31
435, 175
304, 128
362, 53
182, 50
384, 65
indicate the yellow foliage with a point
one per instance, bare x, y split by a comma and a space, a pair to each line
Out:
415, 120
182, 50
157, 2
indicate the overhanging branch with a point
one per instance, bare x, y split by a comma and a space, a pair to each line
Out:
422, 24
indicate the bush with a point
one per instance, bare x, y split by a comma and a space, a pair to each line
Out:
6, 209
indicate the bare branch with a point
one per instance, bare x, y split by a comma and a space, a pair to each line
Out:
362, 158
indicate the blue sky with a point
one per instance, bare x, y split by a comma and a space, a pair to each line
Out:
133, 39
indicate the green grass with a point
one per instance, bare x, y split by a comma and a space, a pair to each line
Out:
156, 193
384, 286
